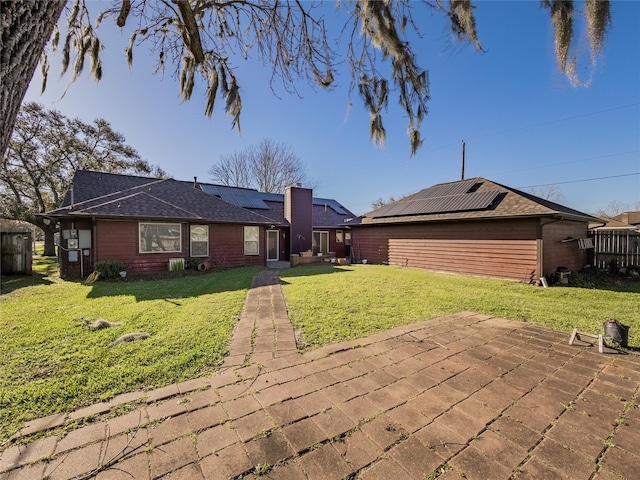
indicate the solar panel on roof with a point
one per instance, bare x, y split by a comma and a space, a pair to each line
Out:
240, 197
444, 204
329, 202
456, 188
249, 198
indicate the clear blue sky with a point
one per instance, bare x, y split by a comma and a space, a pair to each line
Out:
522, 121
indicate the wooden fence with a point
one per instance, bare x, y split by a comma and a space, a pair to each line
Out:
616, 247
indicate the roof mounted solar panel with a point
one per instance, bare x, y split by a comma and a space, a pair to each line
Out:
329, 202
241, 197
446, 189
444, 204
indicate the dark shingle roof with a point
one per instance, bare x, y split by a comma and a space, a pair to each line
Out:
327, 212
476, 198
107, 195
96, 194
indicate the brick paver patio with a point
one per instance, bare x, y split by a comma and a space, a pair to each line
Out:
462, 396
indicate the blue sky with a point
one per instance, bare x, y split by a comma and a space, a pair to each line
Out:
523, 123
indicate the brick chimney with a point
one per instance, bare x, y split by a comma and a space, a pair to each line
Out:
298, 210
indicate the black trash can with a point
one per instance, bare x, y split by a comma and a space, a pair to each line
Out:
617, 332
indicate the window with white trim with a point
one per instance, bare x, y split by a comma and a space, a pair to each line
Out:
251, 240
199, 240
339, 236
159, 237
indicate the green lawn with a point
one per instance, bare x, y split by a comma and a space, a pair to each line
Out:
331, 304
50, 362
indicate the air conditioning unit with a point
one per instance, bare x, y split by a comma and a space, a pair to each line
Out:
176, 264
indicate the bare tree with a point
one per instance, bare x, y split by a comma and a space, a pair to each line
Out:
615, 207
548, 192
203, 39
232, 170
381, 202
268, 167
45, 150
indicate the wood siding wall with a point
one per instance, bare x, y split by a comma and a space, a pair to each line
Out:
85, 263
118, 240
512, 259
338, 248
498, 248
558, 253
226, 246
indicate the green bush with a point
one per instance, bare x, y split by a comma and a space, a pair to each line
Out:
110, 268
193, 262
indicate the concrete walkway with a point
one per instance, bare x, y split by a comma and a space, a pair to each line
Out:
462, 396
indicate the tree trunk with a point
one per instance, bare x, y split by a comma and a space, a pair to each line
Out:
49, 240
26, 28
49, 234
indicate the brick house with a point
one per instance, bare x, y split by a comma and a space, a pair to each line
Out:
148, 222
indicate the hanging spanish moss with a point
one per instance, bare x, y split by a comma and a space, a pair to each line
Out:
598, 13
200, 40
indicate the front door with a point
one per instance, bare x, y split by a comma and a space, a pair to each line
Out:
273, 245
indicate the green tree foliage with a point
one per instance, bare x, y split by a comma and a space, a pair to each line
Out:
45, 150
268, 167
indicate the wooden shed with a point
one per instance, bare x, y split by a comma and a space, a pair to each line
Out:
475, 227
16, 250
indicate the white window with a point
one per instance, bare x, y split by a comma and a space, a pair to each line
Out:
347, 238
339, 236
251, 240
320, 242
159, 237
199, 238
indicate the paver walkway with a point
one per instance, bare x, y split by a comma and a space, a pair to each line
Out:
462, 396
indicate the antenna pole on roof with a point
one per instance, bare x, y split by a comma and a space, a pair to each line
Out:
462, 178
